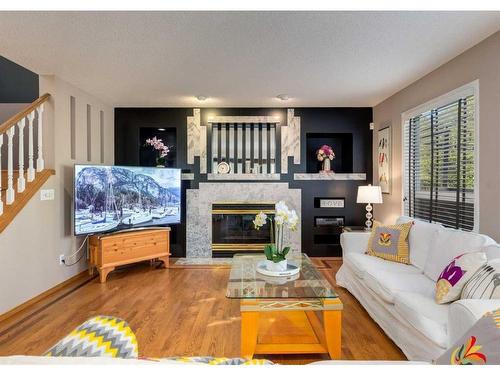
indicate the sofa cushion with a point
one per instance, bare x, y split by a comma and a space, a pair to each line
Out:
424, 315
492, 251
387, 284
390, 242
359, 263
485, 283
420, 239
448, 244
453, 278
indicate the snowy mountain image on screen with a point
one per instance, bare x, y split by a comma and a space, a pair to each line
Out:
115, 198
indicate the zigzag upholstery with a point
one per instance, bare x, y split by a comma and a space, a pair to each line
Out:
100, 336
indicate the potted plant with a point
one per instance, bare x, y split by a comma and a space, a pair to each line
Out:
325, 154
276, 252
161, 149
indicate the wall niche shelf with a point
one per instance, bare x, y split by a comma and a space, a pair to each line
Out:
329, 176
243, 177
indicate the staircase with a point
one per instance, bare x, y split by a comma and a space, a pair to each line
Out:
18, 186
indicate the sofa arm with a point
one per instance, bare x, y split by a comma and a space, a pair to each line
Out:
354, 242
464, 313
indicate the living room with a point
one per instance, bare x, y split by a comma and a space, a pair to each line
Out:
249, 186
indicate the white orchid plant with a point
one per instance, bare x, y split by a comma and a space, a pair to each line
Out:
283, 218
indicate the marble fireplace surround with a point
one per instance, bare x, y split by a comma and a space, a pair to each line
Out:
199, 210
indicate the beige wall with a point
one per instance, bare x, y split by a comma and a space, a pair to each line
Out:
31, 244
481, 62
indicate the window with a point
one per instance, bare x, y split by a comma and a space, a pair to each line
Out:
439, 163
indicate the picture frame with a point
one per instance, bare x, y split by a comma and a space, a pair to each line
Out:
384, 158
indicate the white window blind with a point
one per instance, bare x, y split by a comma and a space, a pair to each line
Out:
439, 161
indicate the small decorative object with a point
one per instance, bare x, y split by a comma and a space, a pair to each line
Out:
289, 274
275, 252
162, 150
325, 154
369, 194
331, 203
223, 168
384, 159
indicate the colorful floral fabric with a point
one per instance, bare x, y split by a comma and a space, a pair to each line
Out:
480, 345
456, 274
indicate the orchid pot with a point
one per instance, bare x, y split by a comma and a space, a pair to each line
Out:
283, 219
161, 150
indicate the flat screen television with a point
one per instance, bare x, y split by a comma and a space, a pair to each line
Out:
113, 198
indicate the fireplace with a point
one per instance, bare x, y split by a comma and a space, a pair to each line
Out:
233, 230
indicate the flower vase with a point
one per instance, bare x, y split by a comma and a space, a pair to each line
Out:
276, 267
326, 166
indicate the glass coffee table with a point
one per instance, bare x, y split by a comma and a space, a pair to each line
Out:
299, 314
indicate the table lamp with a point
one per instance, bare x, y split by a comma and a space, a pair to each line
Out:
369, 194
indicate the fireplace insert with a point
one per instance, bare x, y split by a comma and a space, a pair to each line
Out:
233, 230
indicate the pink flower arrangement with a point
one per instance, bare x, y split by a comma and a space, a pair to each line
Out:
159, 146
324, 152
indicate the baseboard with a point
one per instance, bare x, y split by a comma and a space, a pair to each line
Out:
80, 277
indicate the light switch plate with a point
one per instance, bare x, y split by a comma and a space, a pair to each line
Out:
47, 194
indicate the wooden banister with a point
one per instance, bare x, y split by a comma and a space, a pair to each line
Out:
25, 112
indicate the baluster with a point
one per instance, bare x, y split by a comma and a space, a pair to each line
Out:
21, 182
1, 202
31, 169
9, 197
40, 164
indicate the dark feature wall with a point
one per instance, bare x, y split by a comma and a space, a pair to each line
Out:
341, 123
17, 84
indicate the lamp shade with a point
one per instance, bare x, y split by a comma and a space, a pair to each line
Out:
369, 194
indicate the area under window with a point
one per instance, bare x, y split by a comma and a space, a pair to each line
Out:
439, 163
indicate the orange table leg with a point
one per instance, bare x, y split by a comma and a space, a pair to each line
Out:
249, 331
332, 321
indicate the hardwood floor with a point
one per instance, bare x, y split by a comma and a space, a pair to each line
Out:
176, 311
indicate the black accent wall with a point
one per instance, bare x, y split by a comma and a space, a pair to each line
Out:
339, 125
17, 84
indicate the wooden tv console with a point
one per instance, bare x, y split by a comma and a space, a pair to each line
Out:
108, 251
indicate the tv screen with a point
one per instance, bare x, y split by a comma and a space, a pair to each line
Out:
111, 198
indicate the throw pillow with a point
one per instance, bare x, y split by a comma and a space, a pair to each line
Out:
485, 283
453, 278
390, 242
480, 345
101, 336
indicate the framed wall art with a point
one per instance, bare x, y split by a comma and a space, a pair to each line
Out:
384, 158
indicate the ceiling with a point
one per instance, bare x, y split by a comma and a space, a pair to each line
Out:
240, 58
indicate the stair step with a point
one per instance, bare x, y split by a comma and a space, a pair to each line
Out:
21, 199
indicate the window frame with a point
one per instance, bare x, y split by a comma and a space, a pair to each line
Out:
471, 88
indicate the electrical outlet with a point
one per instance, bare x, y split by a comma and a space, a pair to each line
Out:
47, 194
61, 259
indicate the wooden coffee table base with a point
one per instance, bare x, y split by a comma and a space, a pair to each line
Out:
291, 327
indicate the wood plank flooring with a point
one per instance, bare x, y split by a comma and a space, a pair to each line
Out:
177, 311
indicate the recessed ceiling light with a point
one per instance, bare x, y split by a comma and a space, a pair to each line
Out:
201, 98
161, 129
283, 97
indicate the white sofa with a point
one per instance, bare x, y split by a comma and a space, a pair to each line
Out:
400, 298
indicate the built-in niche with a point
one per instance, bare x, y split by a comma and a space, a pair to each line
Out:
341, 143
147, 155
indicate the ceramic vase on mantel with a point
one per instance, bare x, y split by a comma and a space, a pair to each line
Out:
326, 166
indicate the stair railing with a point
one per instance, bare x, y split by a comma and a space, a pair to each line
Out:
19, 121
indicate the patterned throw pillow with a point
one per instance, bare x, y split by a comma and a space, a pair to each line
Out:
480, 345
218, 361
453, 278
485, 283
101, 336
390, 242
